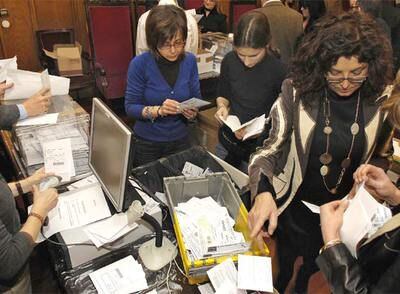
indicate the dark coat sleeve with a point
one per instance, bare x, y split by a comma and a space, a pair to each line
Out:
9, 115
345, 275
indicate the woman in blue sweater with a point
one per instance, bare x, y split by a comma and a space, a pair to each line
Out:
158, 80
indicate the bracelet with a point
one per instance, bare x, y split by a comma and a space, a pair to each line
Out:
158, 111
19, 188
329, 244
147, 114
38, 216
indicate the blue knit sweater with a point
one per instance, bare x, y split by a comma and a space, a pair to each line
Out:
147, 87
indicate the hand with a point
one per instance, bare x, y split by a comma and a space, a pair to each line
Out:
44, 201
38, 103
222, 113
377, 183
239, 134
264, 209
170, 107
332, 219
190, 113
4, 87
37, 177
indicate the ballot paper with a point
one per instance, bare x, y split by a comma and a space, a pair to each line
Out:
193, 103
82, 183
192, 170
207, 229
205, 289
123, 276
45, 78
255, 273
359, 218
223, 277
77, 208
108, 230
5, 64
252, 127
27, 83
58, 158
45, 119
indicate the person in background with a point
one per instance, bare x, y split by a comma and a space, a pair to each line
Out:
285, 27
374, 9
249, 83
311, 10
35, 105
158, 80
213, 20
326, 122
192, 40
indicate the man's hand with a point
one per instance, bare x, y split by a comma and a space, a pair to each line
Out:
38, 104
4, 87
264, 209
221, 114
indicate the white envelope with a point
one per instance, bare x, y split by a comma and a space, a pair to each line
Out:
27, 83
10, 63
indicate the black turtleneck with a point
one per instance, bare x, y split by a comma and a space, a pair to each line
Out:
213, 22
343, 111
169, 69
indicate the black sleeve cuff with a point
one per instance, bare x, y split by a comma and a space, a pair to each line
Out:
265, 186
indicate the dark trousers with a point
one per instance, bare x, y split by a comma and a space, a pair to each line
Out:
298, 234
147, 151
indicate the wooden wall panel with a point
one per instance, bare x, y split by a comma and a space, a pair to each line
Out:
80, 24
19, 39
53, 14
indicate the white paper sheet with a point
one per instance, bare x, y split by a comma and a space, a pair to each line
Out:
314, 208
358, 219
58, 158
255, 273
45, 78
253, 127
193, 103
27, 83
191, 170
45, 119
77, 208
224, 272
82, 183
109, 229
205, 289
5, 64
123, 276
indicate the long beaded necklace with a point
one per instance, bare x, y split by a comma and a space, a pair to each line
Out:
326, 158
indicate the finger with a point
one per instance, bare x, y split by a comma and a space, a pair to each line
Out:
35, 189
273, 222
8, 86
343, 206
43, 91
260, 241
258, 224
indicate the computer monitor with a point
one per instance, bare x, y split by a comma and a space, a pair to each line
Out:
109, 155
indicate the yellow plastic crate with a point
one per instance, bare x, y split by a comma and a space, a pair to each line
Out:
221, 189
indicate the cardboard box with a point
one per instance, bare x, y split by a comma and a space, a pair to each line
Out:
205, 61
68, 57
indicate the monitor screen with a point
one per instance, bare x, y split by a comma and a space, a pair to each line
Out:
110, 143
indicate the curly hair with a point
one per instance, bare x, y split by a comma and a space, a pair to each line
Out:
345, 35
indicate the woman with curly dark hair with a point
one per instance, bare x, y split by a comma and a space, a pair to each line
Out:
327, 121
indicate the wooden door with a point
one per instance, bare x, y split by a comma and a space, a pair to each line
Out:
18, 39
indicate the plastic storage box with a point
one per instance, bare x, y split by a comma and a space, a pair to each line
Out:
221, 189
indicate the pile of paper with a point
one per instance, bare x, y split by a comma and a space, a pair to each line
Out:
123, 276
207, 229
109, 229
72, 123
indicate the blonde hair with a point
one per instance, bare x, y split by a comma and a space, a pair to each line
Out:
392, 104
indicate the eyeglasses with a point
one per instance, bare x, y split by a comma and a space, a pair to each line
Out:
177, 45
351, 80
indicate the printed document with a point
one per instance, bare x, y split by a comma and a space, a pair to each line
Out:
252, 127
77, 208
224, 275
123, 276
359, 219
58, 158
255, 273
45, 119
193, 103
